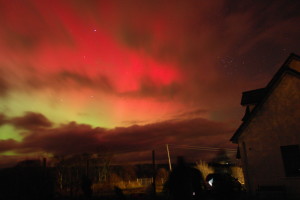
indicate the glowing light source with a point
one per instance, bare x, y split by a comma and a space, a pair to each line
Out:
211, 181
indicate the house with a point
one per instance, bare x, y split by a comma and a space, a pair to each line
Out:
269, 135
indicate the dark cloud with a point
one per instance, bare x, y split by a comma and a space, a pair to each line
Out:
78, 138
131, 122
73, 138
101, 82
35, 81
147, 86
4, 87
80, 79
31, 121
8, 145
191, 114
196, 131
70, 138
3, 119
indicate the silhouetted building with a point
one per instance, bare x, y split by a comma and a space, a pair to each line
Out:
269, 136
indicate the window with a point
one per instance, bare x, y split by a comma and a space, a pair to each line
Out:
291, 160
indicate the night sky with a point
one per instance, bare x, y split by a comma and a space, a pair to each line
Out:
133, 75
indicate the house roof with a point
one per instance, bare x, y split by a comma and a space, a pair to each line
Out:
259, 96
252, 96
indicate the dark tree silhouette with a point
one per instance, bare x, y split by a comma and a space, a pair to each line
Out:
28, 180
185, 182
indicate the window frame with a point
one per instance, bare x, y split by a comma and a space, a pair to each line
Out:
290, 155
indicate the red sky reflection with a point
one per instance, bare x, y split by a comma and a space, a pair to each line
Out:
133, 75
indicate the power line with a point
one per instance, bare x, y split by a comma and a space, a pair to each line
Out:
197, 148
201, 148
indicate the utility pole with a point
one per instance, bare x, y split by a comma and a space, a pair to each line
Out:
154, 172
87, 167
170, 165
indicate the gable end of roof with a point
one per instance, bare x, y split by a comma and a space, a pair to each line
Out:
266, 92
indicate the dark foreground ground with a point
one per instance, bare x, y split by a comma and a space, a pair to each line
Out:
159, 196
145, 197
